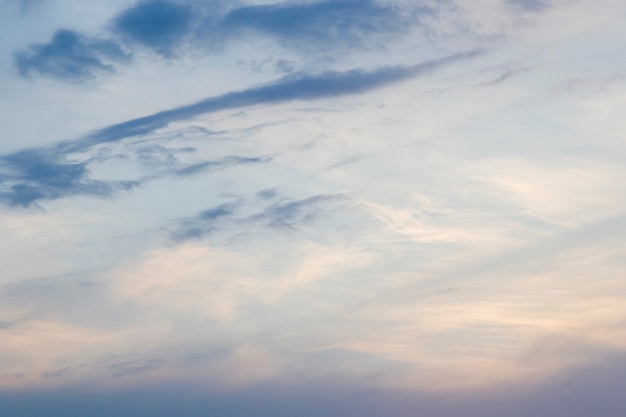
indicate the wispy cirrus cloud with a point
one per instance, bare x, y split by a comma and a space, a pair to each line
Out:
222, 163
47, 174
283, 215
289, 88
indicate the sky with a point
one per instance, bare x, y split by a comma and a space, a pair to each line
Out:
312, 208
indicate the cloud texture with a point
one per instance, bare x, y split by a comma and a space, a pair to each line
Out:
320, 207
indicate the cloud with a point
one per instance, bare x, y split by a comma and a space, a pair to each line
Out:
70, 56
292, 214
171, 28
506, 74
110, 368
34, 175
58, 373
218, 164
222, 210
6, 324
44, 173
128, 368
204, 223
593, 390
285, 214
158, 25
317, 26
529, 5
266, 194
30, 175
289, 88
167, 26
28, 5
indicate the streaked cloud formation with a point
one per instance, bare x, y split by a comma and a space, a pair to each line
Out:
324, 207
45, 174
171, 28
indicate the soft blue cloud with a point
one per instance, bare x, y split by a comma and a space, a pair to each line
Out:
44, 174
293, 87
293, 214
158, 25
266, 194
222, 210
170, 28
27, 5
29, 176
205, 222
70, 56
286, 214
164, 26
322, 25
208, 166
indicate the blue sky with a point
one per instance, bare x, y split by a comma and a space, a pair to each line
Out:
339, 207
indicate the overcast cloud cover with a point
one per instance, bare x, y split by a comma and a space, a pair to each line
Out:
312, 208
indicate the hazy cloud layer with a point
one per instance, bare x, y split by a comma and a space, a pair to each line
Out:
312, 208
594, 389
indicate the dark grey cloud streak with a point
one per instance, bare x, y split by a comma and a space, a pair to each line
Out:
44, 173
